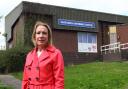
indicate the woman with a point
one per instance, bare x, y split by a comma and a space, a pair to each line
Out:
44, 67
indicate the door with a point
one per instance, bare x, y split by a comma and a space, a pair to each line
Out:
112, 34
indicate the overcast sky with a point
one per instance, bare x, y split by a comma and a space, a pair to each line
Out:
109, 6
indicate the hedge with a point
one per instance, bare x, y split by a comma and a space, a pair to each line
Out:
13, 59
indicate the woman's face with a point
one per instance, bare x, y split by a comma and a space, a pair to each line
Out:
41, 36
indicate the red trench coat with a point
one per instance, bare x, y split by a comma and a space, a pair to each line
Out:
45, 72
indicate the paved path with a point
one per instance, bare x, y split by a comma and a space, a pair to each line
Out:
11, 81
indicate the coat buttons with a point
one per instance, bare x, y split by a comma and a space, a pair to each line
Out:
37, 78
29, 68
29, 79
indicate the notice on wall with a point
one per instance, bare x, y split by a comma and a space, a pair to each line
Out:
87, 47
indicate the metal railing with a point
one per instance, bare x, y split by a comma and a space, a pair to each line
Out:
110, 48
124, 46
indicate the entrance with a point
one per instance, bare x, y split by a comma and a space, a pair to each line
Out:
112, 34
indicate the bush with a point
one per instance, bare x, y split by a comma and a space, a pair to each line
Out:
12, 59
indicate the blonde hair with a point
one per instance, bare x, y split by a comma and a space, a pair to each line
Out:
49, 32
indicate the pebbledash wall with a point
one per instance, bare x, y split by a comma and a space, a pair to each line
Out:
77, 33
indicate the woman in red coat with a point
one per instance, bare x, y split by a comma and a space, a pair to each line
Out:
44, 67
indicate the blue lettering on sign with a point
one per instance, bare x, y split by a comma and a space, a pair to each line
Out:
76, 23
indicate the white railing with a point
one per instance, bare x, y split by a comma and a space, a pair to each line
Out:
124, 46
113, 47
110, 48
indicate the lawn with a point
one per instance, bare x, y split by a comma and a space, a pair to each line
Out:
96, 75
2, 86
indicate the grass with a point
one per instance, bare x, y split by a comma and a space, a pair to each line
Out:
17, 75
97, 75
2, 86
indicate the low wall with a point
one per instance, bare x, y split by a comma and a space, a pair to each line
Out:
79, 58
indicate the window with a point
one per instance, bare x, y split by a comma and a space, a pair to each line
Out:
87, 42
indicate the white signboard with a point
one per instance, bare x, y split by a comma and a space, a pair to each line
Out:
87, 47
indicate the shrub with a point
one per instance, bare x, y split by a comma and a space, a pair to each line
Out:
12, 59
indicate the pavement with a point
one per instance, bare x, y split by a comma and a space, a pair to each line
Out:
11, 81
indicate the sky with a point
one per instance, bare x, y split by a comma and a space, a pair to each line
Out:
119, 7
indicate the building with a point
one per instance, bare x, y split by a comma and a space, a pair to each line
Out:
122, 31
77, 33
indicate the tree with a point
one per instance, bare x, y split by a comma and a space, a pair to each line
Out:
5, 35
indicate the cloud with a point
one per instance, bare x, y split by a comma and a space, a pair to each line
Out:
107, 6
7, 5
2, 40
